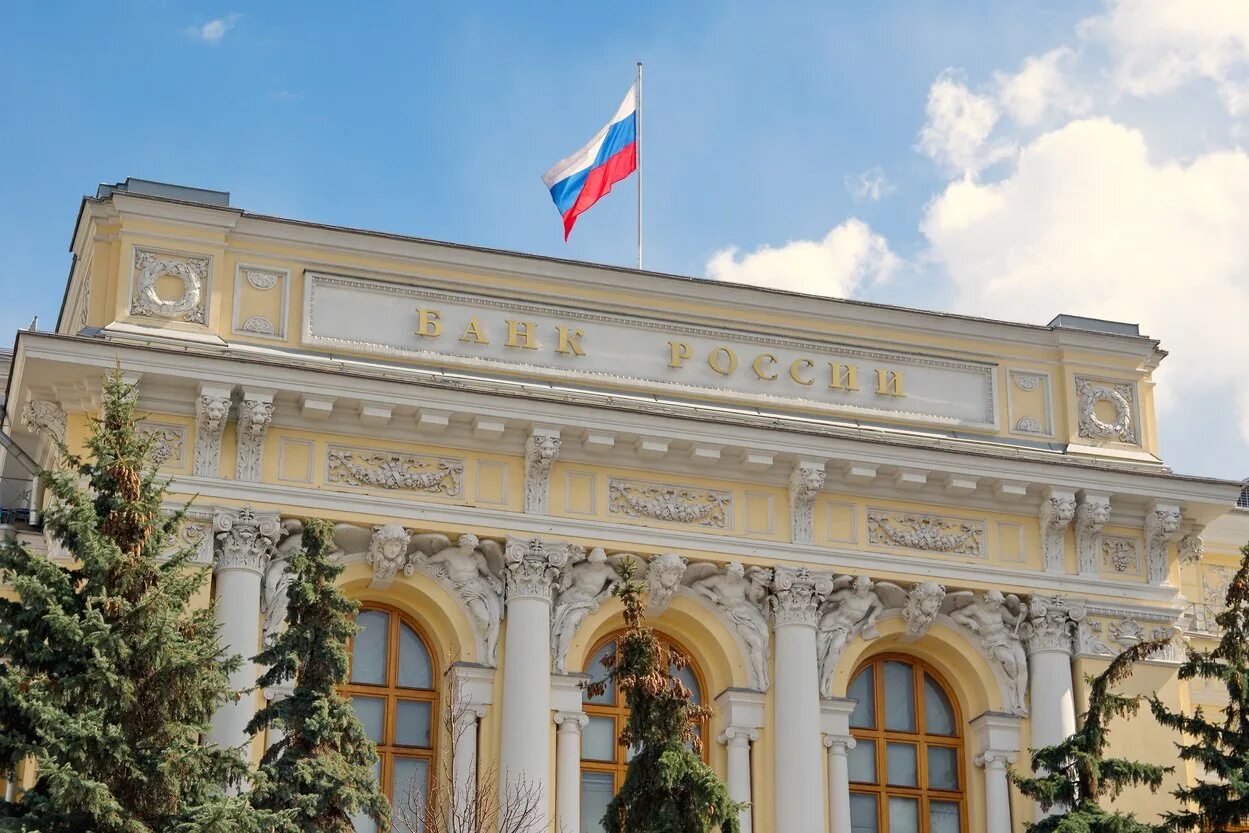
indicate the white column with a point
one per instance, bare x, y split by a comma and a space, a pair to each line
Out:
568, 770
737, 740
10, 785
996, 790
839, 782
799, 766
524, 754
1051, 688
471, 690
997, 737
244, 541
464, 760
835, 724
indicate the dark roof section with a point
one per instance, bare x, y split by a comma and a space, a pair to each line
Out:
1096, 325
165, 190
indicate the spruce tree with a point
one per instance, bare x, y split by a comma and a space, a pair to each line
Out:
1075, 774
1218, 745
321, 770
668, 788
108, 676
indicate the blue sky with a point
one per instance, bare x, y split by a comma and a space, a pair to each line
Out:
891, 151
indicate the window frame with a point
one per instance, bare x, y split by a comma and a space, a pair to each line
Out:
392, 693
882, 790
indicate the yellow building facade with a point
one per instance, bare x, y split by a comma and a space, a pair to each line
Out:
891, 542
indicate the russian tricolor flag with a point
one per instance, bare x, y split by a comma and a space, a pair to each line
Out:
579, 181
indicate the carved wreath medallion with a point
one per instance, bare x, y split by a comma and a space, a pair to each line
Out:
189, 306
1091, 425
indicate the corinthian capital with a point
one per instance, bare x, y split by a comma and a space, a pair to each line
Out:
531, 566
1052, 623
46, 417
796, 596
245, 538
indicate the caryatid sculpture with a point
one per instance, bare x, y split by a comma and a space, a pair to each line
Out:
997, 619
850, 610
741, 597
273, 599
582, 585
466, 569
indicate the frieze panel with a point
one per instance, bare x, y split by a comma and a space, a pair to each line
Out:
1121, 397
675, 504
394, 470
1121, 556
168, 442
928, 533
191, 271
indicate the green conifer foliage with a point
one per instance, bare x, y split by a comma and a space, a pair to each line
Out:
108, 678
1075, 774
668, 787
321, 771
1220, 799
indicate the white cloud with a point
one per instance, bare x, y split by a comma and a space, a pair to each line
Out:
870, 186
214, 30
848, 258
1041, 87
956, 134
1159, 45
1086, 223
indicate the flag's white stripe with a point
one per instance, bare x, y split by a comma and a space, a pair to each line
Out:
585, 157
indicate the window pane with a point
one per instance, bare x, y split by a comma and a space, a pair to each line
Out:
368, 653
686, 675
596, 671
938, 713
942, 768
409, 791
361, 822
415, 669
597, 789
598, 740
412, 723
862, 689
943, 816
862, 813
371, 711
899, 697
862, 760
903, 815
902, 764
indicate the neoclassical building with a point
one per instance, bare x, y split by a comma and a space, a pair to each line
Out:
892, 543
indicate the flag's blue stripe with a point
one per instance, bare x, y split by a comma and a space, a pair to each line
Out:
619, 136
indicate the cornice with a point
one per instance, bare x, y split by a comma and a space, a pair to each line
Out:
608, 411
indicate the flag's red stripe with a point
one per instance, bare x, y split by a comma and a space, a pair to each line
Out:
599, 182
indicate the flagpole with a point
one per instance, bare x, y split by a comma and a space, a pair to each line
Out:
639, 161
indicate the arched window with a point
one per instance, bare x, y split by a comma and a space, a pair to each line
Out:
906, 769
603, 761
392, 689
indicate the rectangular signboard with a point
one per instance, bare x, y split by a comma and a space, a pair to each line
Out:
595, 350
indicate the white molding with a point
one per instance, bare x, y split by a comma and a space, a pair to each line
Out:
284, 277
1047, 383
283, 442
991, 462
